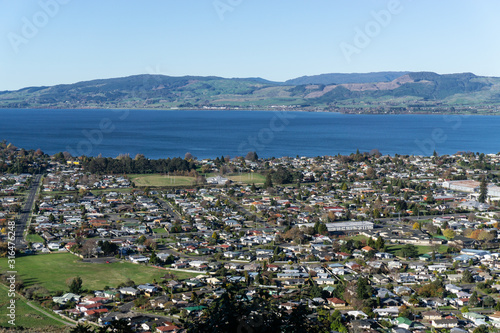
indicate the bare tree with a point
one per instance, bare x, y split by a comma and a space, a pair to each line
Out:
89, 248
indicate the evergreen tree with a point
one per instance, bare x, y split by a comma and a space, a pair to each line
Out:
483, 190
467, 277
380, 243
269, 181
75, 286
474, 300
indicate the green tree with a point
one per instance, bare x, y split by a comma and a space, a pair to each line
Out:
483, 190
473, 299
467, 277
75, 285
380, 244
449, 233
363, 289
269, 182
481, 329
489, 302
409, 250
79, 328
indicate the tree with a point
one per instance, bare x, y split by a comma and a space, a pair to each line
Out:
154, 259
489, 302
473, 299
363, 289
409, 250
120, 326
88, 248
467, 277
416, 226
75, 286
483, 190
449, 233
481, 329
252, 156
269, 181
380, 243
81, 329
151, 244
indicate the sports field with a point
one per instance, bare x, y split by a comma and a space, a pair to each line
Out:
157, 180
54, 270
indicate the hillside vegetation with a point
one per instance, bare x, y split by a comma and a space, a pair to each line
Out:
384, 91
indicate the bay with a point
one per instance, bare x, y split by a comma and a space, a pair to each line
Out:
208, 134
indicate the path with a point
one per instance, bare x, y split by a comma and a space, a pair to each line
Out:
49, 315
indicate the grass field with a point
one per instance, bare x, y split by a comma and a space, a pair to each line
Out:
25, 315
245, 178
34, 238
248, 178
157, 180
394, 249
160, 231
53, 270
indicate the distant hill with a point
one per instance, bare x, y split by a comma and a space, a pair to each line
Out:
338, 78
370, 92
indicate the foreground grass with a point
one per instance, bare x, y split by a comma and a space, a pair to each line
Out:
26, 316
54, 270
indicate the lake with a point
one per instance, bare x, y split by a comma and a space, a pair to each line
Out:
208, 134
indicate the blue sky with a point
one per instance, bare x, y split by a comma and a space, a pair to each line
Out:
77, 40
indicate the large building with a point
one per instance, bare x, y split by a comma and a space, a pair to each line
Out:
350, 226
469, 186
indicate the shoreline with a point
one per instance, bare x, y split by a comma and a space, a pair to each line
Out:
497, 113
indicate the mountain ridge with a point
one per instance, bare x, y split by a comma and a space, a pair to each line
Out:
350, 91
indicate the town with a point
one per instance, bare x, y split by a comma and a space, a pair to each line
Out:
358, 243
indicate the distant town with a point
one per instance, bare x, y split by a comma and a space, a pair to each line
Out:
355, 243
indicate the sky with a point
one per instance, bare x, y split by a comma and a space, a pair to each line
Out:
48, 42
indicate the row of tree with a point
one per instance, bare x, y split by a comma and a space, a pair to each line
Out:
140, 164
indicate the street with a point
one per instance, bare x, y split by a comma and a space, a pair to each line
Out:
22, 221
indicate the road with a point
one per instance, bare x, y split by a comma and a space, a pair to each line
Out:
22, 221
167, 206
395, 219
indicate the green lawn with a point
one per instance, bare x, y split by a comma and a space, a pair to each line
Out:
160, 231
54, 270
156, 180
422, 249
247, 178
34, 238
25, 315
360, 238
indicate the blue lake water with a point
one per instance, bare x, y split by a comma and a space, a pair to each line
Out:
208, 134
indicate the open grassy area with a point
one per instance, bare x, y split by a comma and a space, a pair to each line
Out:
25, 315
53, 270
34, 238
157, 180
245, 178
248, 178
360, 238
160, 231
394, 248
